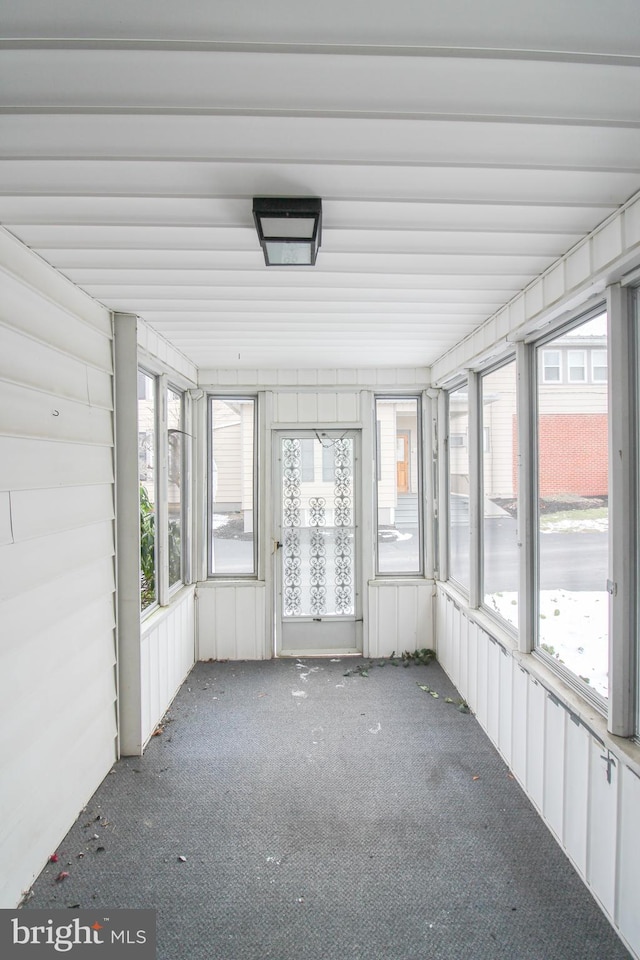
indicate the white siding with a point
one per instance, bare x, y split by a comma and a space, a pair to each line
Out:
558, 760
400, 617
167, 654
57, 643
231, 621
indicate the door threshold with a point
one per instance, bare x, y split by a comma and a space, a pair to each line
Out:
300, 654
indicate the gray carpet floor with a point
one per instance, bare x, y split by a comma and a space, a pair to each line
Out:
326, 817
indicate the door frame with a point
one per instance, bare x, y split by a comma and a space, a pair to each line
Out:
333, 432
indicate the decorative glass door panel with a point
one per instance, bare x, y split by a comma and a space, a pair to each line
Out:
318, 542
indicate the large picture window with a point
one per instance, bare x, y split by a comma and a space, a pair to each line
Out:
232, 470
499, 494
458, 470
573, 512
399, 486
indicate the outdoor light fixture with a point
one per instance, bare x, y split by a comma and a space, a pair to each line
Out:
289, 229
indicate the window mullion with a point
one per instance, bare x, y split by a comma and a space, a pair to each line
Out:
622, 516
162, 493
526, 418
475, 491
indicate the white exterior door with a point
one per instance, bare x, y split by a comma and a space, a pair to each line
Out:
317, 559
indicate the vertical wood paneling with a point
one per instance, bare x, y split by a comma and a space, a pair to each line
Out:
472, 690
576, 793
454, 646
463, 673
231, 622
399, 617
535, 742
493, 692
307, 408
286, 407
167, 655
348, 411
327, 408
482, 667
554, 753
506, 706
520, 712
628, 907
602, 827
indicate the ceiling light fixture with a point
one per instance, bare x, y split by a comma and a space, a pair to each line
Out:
289, 229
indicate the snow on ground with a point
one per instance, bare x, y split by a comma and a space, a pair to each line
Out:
553, 524
574, 630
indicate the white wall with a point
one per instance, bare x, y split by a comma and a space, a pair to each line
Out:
556, 747
57, 642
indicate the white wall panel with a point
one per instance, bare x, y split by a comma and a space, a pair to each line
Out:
168, 654
28, 464
231, 621
561, 765
482, 667
6, 532
400, 617
628, 908
554, 753
58, 723
602, 826
535, 741
505, 694
520, 715
576, 793
36, 513
493, 692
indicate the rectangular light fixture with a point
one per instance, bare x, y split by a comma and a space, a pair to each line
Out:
289, 229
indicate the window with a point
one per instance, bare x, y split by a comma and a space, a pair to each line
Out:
577, 366
399, 486
551, 366
599, 366
232, 471
175, 478
459, 487
147, 426
572, 541
500, 555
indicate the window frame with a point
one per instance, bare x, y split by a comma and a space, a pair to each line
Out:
459, 384
399, 398
487, 448
184, 489
155, 381
233, 575
537, 343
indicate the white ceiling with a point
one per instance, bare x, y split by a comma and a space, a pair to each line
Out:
459, 148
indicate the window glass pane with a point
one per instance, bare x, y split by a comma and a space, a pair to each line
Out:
232, 471
500, 557
398, 486
577, 368
148, 497
551, 366
459, 486
599, 366
175, 448
573, 519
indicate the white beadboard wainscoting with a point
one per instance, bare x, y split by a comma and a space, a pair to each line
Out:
584, 783
232, 621
167, 653
57, 642
400, 616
